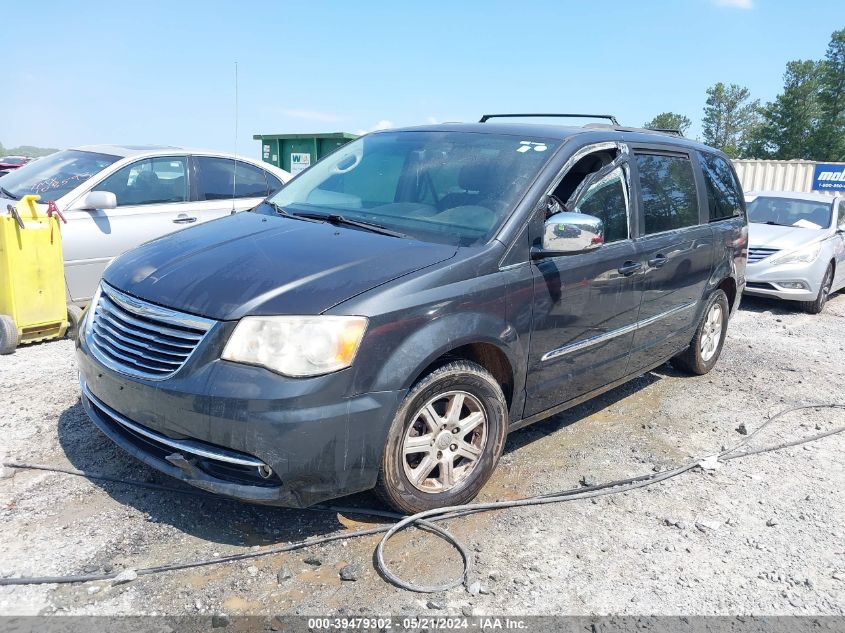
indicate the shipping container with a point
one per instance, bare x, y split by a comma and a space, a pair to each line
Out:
787, 175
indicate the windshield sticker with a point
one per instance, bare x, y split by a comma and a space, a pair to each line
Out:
527, 146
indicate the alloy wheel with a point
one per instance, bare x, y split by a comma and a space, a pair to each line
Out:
444, 442
711, 333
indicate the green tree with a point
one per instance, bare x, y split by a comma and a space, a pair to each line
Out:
730, 116
790, 126
829, 143
669, 121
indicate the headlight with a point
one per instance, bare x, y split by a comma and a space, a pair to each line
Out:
802, 255
296, 345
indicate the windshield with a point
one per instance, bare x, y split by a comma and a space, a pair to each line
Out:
55, 175
453, 187
808, 214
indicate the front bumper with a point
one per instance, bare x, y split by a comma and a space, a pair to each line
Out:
766, 280
244, 432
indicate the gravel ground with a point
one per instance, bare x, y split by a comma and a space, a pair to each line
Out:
761, 535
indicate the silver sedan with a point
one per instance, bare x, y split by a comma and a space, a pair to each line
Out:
796, 246
116, 197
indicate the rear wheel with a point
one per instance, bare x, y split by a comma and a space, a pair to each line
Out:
815, 307
8, 334
706, 346
445, 439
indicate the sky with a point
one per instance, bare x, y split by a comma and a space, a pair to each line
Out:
155, 72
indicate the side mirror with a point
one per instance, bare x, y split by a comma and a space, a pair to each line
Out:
568, 233
99, 200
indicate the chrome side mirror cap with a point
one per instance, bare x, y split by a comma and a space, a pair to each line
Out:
568, 233
98, 200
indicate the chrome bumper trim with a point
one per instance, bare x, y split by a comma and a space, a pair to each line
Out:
186, 446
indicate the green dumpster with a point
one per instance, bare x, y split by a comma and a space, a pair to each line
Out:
296, 152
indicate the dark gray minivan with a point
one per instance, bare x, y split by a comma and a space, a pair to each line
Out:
394, 311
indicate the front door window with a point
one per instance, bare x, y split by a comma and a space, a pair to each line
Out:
149, 181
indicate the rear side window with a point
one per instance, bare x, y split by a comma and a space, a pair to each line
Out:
724, 193
273, 183
842, 214
221, 178
667, 185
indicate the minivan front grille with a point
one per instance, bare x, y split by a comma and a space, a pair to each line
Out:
138, 338
756, 254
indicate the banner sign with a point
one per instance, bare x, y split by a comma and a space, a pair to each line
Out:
829, 177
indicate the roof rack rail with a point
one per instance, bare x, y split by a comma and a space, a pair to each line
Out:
609, 117
666, 130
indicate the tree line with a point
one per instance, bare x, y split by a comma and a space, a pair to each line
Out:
805, 121
26, 150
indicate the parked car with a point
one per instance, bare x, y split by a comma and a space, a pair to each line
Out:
10, 163
117, 197
393, 312
796, 246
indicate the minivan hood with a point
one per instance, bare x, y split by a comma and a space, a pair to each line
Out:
782, 237
255, 264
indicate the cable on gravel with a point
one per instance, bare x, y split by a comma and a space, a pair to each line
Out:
425, 520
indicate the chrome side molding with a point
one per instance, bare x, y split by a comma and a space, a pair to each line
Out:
607, 336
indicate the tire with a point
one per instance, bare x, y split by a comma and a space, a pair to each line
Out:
706, 345
460, 386
74, 318
815, 307
8, 334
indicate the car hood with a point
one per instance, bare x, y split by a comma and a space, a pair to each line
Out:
255, 264
782, 237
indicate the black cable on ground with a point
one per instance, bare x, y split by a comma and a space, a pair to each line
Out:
427, 520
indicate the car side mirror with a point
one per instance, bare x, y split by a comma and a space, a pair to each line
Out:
99, 200
568, 233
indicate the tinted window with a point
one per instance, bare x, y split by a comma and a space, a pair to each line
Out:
57, 174
149, 181
273, 183
667, 184
842, 214
250, 181
607, 199
724, 193
221, 178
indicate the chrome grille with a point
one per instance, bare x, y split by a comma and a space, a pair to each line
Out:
755, 254
138, 338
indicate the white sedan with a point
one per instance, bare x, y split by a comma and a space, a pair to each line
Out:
114, 198
796, 246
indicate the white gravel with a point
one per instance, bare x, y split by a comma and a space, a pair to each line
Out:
762, 535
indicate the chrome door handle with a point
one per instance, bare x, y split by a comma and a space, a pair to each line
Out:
658, 261
184, 219
629, 268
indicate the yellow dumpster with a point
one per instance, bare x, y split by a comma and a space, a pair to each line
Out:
32, 281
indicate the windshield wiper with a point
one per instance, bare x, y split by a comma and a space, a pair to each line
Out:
769, 222
9, 194
334, 218
282, 211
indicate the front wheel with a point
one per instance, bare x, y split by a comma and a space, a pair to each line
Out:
705, 347
445, 440
815, 307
